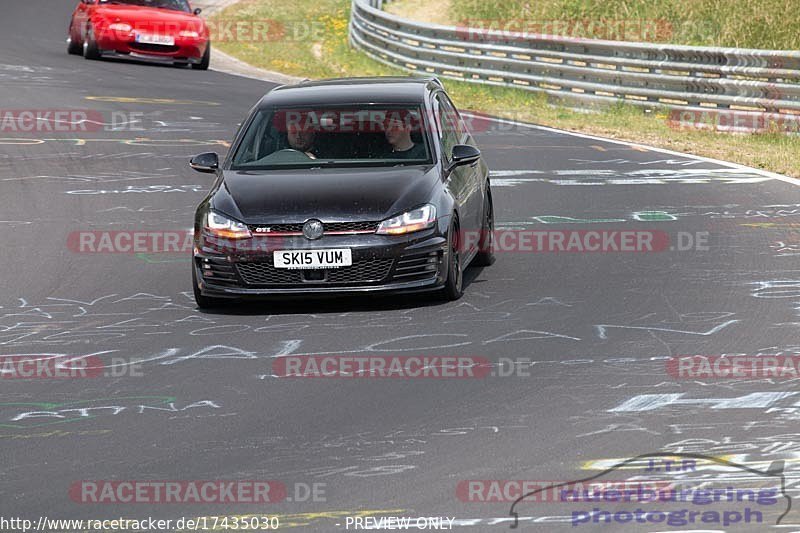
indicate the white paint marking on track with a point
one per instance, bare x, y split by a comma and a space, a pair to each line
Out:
773, 175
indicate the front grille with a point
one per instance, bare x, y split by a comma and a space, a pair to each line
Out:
330, 227
265, 273
414, 267
147, 47
361, 272
351, 226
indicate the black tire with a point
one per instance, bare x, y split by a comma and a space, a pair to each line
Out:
90, 50
454, 286
73, 48
485, 255
203, 64
204, 302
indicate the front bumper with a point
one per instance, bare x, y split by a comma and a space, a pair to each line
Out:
380, 263
184, 50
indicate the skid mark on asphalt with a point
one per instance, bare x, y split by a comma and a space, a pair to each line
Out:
595, 177
57, 433
646, 148
141, 100
139, 141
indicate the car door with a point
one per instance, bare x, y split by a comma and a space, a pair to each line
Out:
465, 183
479, 184
447, 138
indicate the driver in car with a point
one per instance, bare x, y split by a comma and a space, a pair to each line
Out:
301, 139
398, 135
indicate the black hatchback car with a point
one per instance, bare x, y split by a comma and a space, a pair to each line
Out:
349, 185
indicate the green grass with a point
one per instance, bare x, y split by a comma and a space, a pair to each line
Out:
318, 47
771, 24
328, 54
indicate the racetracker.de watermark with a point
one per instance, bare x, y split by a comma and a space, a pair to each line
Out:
584, 241
379, 119
509, 490
734, 121
265, 30
39, 120
500, 241
157, 492
131, 241
219, 30
398, 367
151, 241
519, 29
44, 366
733, 366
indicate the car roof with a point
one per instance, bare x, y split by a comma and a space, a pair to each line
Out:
379, 90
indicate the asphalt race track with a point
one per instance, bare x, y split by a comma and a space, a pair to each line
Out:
201, 403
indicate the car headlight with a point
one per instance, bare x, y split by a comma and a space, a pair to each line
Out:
189, 34
120, 26
415, 220
221, 226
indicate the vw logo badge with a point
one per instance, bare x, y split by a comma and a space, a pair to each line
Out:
312, 229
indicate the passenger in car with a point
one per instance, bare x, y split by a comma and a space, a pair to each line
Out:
398, 135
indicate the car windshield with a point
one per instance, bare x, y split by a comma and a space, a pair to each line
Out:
334, 136
175, 5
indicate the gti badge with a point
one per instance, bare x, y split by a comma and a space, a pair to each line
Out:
312, 229
262, 229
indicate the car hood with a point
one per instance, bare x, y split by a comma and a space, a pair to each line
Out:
335, 195
148, 16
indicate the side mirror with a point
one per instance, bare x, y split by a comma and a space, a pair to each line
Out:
197, 11
463, 154
207, 162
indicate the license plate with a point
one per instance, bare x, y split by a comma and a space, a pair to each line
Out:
146, 38
312, 259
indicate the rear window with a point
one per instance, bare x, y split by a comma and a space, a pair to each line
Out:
334, 136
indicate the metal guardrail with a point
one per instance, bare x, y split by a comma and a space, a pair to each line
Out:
585, 72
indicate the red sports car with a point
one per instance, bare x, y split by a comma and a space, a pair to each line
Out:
156, 30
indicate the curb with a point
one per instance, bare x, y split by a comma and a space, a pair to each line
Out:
227, 64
